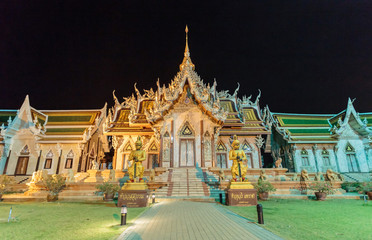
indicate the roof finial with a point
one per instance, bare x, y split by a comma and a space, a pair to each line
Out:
187, 52
187, 60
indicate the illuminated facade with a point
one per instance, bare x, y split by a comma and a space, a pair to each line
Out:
317, 142
54, 140
187, 123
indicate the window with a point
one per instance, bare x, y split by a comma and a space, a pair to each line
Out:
22, 163
325, 157
326, 161
48, 160
221, 160
69, 160
305, 158
68, 163
352, 161
21, 166
48, 163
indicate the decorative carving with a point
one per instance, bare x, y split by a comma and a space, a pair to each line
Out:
49, 154
39, 176
304, 175
330, 175
260, 141
37, 149
166, 147
9, 121
207, 147
319, 176
115, 142
263, 176
25, 150
2, 130
58, 147
70, 154
95, 165
278, 163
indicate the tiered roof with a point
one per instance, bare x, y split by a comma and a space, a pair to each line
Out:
321, 127
52, 126
71, 125
139, 114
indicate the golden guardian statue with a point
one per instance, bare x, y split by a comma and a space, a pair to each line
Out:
238, 169
136, 158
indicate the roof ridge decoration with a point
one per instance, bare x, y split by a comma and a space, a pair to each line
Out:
166, 96
341, 125
187, 63
26, 118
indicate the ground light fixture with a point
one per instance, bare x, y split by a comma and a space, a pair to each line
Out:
153, 197
124, 211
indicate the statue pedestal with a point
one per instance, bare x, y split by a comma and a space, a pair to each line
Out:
241, 194
133, 195
94, 176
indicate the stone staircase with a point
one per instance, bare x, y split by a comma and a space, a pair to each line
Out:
21, 179
357, 177
81, 176
189, 183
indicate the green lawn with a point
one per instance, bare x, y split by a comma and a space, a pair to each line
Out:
309, 219
62, 220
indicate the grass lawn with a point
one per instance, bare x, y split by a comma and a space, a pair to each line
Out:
63, 220
309, 219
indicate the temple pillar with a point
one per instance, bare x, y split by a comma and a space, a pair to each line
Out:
172, 145
114, 159
213, 151
201, 144
161, 152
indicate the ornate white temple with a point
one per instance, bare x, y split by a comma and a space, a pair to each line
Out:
186, 124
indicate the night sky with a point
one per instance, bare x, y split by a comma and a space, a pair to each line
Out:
305, 56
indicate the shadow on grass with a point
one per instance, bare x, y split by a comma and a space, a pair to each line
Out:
229, 212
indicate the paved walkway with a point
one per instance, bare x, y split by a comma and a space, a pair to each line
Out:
193, 220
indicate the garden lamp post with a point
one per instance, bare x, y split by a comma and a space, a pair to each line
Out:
260, 214
153, 198
124, 212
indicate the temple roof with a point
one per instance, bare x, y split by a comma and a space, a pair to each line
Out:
50, 126
139, 113
304, 127
321, 127
71, 125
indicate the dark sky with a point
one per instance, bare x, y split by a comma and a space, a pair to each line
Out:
305, 56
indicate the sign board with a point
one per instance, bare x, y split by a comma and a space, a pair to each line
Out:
241, 197
133, 198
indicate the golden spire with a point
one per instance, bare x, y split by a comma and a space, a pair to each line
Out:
186, 59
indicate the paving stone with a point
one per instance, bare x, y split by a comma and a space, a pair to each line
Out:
193, 220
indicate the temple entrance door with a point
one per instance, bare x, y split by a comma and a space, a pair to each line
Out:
187, 153
21, 166
221, 160
153, 161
